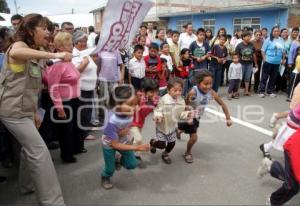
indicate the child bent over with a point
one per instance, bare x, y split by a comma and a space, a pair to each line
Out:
116, 135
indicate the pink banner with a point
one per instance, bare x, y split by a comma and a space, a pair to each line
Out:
122, 19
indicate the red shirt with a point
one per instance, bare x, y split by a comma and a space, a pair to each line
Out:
144, 109
292, 147
152, 62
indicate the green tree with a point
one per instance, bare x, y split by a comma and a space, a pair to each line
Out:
3, 7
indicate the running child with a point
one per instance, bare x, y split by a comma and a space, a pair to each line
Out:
290, 174
197, 100
148, 100
116, 134
169, 110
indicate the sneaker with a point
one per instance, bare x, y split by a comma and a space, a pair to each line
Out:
2, 179
273, 120
152, 149
106, 183
265, 167
265, 154
273, 95
261, 95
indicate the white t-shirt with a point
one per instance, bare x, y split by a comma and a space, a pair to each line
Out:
137, 68
88, 77
91, 40
185, 40
169, 61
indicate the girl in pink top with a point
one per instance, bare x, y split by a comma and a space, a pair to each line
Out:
63, 84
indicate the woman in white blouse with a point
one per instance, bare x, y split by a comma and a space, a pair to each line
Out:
88, 79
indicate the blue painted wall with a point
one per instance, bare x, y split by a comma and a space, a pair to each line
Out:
269, 17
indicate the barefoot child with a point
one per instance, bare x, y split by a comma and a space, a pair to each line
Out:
116, 135
197, 99
168, 112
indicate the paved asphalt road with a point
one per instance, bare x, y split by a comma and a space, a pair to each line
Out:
223, 173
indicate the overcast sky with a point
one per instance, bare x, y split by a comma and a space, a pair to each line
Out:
52, 7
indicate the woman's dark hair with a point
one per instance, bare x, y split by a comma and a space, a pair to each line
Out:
6, 36
225, 32
201, 75
183, 51
271, 33
173, 81
121, 94
27, 27
158, 32
211, 36
150, 85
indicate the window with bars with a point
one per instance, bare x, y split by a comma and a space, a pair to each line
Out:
241, 23
181, 23
209, 24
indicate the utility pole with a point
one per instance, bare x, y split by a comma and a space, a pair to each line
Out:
16, 6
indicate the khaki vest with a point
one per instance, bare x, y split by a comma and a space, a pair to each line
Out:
19, 91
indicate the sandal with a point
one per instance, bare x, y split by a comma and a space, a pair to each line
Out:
166, 158
188, 158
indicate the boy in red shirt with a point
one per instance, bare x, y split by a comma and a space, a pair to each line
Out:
153, 62
148, 99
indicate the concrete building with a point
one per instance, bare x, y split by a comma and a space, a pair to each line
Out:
214, 14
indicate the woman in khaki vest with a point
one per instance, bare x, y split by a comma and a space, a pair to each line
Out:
20, 84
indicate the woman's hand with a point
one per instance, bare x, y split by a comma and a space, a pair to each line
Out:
62, 114
65, 56
37, 120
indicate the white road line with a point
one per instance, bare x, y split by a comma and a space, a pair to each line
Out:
241, 122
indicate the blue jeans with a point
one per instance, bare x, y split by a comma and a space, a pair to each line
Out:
247, 72
128, 161
216, 71
269, 71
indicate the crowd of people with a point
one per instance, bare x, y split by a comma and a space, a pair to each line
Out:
52, 88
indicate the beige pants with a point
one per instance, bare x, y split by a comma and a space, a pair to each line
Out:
37, 172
